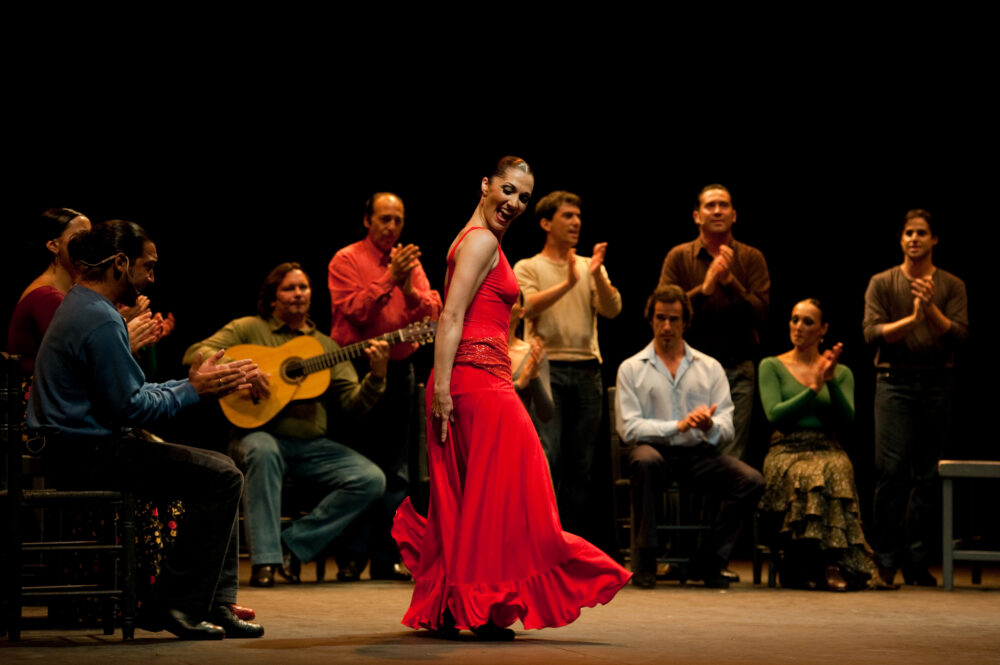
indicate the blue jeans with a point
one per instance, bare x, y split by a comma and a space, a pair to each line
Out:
912, 427
350, 480
570, 436
383, 436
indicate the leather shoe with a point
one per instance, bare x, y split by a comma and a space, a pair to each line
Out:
224, 617
348, 572
644, 579
262, 576
491, 632
919, 577
730, 575
396, 572
245, 613
711, 577
180, 624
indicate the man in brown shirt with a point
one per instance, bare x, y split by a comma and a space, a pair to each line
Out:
729, 287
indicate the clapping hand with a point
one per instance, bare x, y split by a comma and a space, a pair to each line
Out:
699, 417
597, 258
210, 378
826, 365
718, 270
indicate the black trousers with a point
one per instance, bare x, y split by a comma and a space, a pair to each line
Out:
202, 567
737, 486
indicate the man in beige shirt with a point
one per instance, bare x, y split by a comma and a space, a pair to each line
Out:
564, 293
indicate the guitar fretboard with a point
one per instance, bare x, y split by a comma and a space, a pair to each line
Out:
328, 360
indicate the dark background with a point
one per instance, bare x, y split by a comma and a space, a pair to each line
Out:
821, 178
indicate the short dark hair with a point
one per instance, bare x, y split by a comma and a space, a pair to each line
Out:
370, 203
548, 205
510, 162
669, 293
708, 188
51, 225
92, 251
269, 289
913, 214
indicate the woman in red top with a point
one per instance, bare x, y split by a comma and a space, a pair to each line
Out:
39, 301
492, 550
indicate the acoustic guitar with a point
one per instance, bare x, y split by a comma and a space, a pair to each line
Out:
296, 369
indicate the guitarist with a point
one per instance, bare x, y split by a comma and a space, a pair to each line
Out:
377, 285
295, 442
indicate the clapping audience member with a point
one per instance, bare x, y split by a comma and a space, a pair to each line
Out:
809, 492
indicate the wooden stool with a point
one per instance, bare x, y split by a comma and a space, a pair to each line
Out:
949, 470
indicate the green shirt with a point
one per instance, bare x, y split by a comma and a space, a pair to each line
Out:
789, 405
301, 419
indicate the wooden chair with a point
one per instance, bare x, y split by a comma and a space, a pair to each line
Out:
31, 558
761, 550
679, 529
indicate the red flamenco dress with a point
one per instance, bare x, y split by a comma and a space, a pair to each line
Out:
492, 547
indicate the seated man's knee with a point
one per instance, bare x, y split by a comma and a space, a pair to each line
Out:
643, 457
373, 480
257, 449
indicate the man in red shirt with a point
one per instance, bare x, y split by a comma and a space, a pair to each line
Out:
377, 285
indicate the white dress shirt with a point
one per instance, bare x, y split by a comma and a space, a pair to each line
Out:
650, 401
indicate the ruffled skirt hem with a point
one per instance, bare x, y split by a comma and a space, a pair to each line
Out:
545, 600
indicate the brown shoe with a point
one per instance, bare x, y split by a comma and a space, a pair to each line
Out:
835, 579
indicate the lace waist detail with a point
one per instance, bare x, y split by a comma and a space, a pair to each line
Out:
486, 353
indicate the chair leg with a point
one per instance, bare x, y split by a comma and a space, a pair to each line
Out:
774, 562
128, 601
757, 551
977, 573
13, 577
947, 534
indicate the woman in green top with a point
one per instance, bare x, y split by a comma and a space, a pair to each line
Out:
810, 492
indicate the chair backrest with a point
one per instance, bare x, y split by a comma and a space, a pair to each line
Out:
13, 394
619, 450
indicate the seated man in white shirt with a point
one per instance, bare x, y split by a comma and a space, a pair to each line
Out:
674, 408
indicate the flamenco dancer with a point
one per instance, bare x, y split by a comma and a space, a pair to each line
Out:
491, 550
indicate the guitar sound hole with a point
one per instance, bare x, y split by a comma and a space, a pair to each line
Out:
291, 370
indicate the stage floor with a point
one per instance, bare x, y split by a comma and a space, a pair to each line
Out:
341, 623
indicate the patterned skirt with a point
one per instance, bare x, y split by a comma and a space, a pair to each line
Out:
810, 492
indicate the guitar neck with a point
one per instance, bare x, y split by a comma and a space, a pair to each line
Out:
328, 360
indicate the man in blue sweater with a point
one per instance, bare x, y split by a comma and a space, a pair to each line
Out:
88, 392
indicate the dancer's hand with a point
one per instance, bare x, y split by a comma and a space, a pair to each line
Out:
442, 410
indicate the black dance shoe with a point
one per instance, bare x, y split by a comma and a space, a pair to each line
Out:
490, 632
348, 572
262, 576
180, 624
919, 577
644, 579
224, 617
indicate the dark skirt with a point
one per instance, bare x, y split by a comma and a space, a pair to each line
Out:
810, 494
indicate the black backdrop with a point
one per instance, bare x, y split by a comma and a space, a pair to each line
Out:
229, 196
